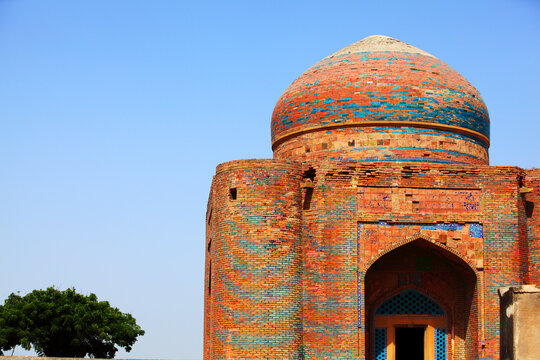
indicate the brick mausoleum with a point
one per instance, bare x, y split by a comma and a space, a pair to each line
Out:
378, 230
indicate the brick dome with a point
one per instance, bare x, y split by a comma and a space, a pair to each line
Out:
381, 99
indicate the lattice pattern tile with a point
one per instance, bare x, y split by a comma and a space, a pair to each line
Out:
440, 344
380, 344
409, 302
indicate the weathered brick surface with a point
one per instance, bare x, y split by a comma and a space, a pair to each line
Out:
383, 101
307, 245
470, 216
531, 204
380, 143
253, 281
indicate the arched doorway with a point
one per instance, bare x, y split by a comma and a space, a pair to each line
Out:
410, 326
420, 302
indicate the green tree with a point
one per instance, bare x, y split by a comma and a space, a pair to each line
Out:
65, 324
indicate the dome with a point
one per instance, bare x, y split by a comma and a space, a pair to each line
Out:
381, 99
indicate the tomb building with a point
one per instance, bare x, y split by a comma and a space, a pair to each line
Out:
378, 230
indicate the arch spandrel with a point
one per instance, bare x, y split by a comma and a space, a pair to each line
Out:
445, 276
382, 241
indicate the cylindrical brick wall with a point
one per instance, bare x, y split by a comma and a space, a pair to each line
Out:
256, 261
379, 143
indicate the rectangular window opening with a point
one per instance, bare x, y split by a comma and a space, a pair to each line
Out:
307, 198
232, 193
529, 208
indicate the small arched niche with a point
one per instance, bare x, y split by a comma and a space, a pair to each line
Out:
421, 298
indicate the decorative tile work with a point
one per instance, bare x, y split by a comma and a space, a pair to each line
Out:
409, 302
465, 239
440, 344
384, 90
414, 200
286, 278
336, 249
255, 256
380, 343
334, 91
476, 231
359, 296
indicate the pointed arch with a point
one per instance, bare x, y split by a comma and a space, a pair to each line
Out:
416, 265
416, 237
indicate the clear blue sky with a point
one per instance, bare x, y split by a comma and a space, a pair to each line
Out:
114, 114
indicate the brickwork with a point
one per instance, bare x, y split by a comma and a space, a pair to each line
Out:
378, 143
385, 90
254, 285
531, 204
302, 248
330, 273
419, 201
381, 84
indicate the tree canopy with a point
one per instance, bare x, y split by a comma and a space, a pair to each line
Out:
65, 324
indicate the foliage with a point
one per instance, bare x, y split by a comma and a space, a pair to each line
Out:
65, 324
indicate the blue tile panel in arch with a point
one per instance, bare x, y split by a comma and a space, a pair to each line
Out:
409, 302
380, 344
440, 344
